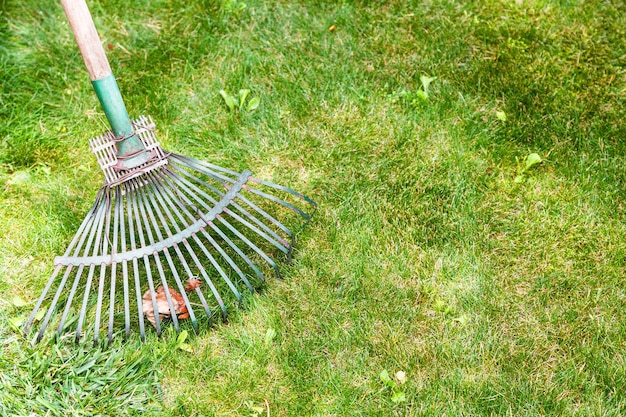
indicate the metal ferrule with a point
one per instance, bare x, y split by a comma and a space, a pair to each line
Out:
130, 151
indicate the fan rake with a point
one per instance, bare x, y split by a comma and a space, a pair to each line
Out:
168, 237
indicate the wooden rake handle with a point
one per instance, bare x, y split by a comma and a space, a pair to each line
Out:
131, 152
87, 38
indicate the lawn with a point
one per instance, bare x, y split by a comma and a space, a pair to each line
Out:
468, 159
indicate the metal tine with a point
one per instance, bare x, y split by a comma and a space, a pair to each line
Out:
87, 233
144, 206
170, 261
231, 228
135, 265
178, 187
146, 260
179, 206
195, 191
278, 200
79, 238
55, 300
103, 268
193, 255
286, 245
120, 205
237, 250
205, 166
264, 214
218, 268
201, 166
285, 189
215, 263
51, 280
70, 298
116, 221
226, 257
229, 260
83, 310
179, 253
279, 239
161, 191
177, 249
79, 273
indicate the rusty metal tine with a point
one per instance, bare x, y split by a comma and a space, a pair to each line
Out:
83, 311
116, 222
275, 239
156, 184
181, 207
164, 224
135, 265
146, 260
143, 205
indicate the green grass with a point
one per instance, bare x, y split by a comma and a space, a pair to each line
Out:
496, 297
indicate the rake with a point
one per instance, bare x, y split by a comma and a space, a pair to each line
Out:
167, 236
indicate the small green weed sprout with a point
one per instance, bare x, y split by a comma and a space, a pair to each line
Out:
420, 97
531, 160
238, 104
234, 6
180, 342
255, 410
424, 92
397, 394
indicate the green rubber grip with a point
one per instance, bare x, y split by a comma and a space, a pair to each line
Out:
113, 105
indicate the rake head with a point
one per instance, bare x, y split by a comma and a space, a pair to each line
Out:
166, 241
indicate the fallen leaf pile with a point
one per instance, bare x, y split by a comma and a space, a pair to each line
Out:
163, 308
